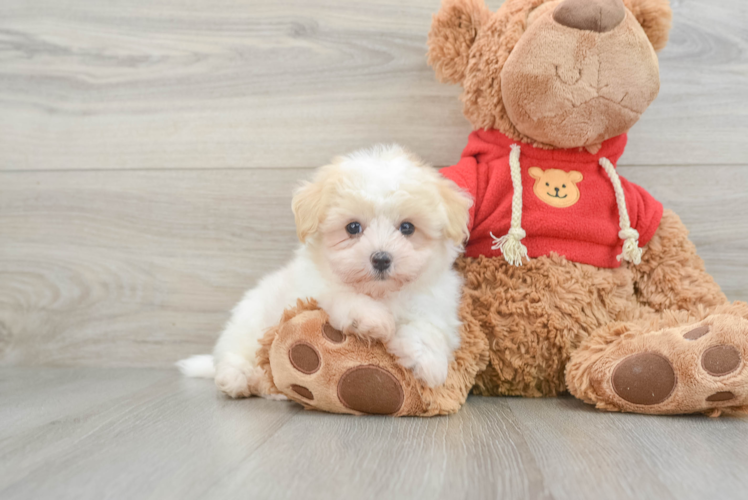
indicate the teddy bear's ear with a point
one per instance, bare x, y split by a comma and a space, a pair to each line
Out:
655, 16
453, 31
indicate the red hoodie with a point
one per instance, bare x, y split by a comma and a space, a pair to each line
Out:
568, 201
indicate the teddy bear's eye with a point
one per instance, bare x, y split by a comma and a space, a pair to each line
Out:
547, 184
563, 186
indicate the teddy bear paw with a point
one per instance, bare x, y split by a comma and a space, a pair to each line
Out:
689, 369
322, 368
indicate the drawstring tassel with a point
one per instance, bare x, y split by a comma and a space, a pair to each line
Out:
631, 251
510, 244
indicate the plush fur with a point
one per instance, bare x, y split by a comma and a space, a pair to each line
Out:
556, 75
411, 306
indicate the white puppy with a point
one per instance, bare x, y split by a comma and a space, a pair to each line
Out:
380, 232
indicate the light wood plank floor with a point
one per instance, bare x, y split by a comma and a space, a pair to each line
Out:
145, 433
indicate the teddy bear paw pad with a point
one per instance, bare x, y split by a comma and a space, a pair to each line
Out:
644, 379
302, 391
720, 360
697, 332
370, 389
304, 357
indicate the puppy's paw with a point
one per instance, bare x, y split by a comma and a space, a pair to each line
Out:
432, 370
239, 379
428, 365
232, 381
374, 323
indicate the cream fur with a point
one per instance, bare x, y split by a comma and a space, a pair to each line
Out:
412, 308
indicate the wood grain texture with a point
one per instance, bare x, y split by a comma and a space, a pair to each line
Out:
636, 456
134, 433
141, 268
123, 434
98, 264
154, 84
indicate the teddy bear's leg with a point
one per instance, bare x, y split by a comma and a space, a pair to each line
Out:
535, 316
671, 275
687, 351
323, 369
672, 363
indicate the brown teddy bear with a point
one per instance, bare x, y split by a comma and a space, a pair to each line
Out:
575, 279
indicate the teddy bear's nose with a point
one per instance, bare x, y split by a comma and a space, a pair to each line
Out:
599, 16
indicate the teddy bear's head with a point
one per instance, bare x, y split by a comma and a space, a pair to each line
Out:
553, 73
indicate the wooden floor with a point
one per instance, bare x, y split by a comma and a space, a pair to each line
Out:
148, 151
150, 434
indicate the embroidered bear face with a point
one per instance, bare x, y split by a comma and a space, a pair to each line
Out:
556, 187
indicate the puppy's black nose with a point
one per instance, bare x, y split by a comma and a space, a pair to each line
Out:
381, 261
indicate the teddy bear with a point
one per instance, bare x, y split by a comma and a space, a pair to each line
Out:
576, 280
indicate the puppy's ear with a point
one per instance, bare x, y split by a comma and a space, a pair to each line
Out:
309, 208
457, 204
453, 31
655, 16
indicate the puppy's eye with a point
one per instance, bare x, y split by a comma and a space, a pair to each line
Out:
353, 228
407, 228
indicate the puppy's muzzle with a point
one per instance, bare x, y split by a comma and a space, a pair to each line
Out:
381, 261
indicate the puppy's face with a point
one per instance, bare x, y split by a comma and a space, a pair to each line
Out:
380, 219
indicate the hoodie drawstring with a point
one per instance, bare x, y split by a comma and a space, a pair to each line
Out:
510, 244
631, 250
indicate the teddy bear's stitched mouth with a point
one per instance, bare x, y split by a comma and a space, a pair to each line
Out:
573, 106
619, 103
557, 196
558, 75
598, 88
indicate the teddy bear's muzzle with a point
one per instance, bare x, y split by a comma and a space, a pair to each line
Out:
581, 73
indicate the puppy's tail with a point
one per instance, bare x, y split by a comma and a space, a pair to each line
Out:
198, 366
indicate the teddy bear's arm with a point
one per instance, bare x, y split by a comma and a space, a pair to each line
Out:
671, 274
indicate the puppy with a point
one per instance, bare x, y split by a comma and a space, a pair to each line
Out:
380, 232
